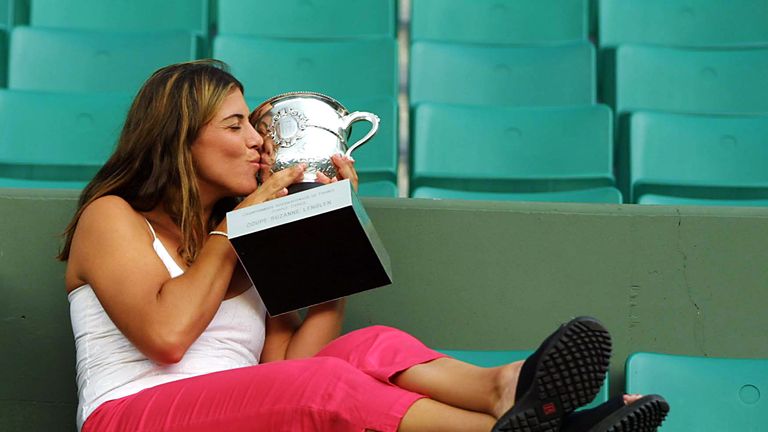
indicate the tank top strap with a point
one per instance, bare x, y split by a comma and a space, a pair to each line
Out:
152, 230
164, 255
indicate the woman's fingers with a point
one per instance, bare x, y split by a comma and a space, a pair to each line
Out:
276, 185
345, 166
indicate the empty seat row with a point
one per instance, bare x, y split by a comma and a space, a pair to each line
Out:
704, 23
286, 18
667, 22
565, 154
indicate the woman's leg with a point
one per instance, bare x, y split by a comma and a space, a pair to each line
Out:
315, 394
393, 356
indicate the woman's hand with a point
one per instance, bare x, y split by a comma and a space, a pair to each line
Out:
345, 167
274, 186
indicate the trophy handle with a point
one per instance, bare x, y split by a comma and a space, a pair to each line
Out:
361, 116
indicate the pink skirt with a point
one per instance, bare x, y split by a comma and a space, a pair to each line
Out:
346, 387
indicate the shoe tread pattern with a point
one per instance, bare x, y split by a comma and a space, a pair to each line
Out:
572, 373
647, 418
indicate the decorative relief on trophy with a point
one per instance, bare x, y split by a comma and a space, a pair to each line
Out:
307, 127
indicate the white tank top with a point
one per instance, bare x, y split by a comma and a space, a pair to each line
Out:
110, 367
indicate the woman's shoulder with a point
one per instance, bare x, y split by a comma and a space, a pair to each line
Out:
111, 207
111, 213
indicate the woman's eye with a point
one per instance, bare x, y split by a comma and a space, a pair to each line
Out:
235, 127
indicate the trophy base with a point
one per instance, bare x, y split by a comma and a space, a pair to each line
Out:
301, 187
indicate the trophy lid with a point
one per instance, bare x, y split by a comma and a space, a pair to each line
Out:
297, 96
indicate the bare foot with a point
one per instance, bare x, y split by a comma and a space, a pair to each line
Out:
631, 398
506, 386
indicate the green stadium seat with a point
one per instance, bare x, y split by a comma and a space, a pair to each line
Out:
3, 58
703, 158
377, 188
85, 60
498, 358
492, 21
702, 23
308, 19
508, 149
341, 69
13, 13
134, 15
652, 199
705, 394
688, 80
57, 139
602, 195
502, 75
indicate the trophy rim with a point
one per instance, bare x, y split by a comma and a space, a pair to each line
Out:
312, 94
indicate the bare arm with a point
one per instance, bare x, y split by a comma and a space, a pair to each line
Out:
160, 315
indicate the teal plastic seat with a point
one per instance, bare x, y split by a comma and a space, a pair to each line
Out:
492, 21
705, 394
653, 199
710, 158
57, 139
498, 358
85, 60
134, 15
308, 19
502, 75
377, 188
508, 149
13, 13
342, 69
3, 57
688, 80
601, 195
683, 22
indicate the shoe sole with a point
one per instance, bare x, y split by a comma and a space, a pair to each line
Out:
569, 374
645, 415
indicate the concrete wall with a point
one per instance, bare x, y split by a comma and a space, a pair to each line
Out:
467, 276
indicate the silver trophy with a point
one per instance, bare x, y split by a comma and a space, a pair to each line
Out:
307, 127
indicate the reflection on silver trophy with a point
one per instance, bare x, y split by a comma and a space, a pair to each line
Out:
307, 127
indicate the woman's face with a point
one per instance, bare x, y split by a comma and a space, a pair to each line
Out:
226, 152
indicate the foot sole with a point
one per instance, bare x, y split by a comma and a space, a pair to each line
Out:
569, 373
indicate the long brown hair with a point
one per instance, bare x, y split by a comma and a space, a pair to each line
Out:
152, 163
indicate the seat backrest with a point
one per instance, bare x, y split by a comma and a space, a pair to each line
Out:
3, 57
506, 149
311, 19
85, 60
134, 15
604, 195
502, 75
690, 80
705, 394
13, 13
683, 22
377, 188
492, 21
715, 157
342, 69
58, 136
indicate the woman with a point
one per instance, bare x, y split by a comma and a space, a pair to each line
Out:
171, 336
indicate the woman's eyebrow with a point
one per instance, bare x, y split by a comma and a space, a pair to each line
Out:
237, 116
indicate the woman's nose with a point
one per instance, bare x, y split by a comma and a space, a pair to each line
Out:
254, 138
